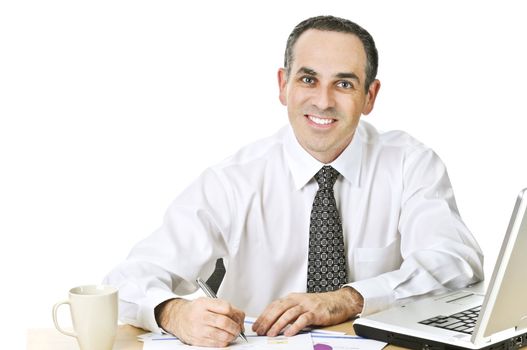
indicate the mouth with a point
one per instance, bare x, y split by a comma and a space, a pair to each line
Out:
320, 121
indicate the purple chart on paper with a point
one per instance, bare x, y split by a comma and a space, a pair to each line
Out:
322, 347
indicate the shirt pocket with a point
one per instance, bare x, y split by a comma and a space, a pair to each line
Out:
371, 262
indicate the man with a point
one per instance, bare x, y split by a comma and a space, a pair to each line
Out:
323, 221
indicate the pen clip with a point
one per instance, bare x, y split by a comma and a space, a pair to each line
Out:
205, 288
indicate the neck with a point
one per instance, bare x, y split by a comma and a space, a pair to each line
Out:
325, 157
329, 155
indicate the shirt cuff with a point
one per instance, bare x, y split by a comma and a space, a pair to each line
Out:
377, 294
146, 315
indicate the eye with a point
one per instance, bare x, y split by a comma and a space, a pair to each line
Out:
308, 80
345, 84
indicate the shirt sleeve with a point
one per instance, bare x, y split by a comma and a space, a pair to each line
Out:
437, 249
165, 264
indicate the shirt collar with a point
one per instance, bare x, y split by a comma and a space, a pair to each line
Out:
304, 166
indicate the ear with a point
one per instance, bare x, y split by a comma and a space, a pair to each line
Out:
282, 85
373, 90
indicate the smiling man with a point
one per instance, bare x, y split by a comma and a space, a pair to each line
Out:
324, 220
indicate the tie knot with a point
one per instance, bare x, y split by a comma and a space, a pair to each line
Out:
326, 177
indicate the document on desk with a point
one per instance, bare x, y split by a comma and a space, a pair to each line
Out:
298, 342
316, 339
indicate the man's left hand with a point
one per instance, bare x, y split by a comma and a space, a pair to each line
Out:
299, 310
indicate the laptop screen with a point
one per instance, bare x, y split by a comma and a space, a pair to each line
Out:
505, 304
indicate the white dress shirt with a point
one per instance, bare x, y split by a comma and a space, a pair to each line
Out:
402, 231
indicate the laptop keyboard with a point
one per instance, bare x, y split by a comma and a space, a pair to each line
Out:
463, 321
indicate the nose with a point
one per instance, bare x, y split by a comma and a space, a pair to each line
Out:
324, 98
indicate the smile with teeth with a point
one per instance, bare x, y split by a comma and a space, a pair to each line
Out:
320, 121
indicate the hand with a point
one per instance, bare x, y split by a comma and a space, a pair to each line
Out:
300, 310
201, 322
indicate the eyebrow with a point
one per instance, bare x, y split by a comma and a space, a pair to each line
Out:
349, 75
342, 75
305, 70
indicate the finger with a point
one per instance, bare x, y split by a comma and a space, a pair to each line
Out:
212, 337
237, 316
271, 313
302, 321
262, 322
287, 317
223, 323
223, 307
218, 306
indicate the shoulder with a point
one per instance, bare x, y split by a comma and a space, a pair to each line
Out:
397, 139
255, 155
394, 147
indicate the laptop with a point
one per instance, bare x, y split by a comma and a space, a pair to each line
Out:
466, 318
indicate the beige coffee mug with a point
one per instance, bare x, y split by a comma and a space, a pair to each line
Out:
94, 316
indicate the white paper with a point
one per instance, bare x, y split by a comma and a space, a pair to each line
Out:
155, 336
298, 342
344, 342
316, 339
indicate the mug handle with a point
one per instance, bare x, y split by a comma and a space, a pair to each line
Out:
55, 308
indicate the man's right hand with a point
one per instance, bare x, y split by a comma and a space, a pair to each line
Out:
201, 322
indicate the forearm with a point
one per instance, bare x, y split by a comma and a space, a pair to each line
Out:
352, 301
421, 274
165, 311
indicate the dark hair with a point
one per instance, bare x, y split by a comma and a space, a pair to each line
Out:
336, 24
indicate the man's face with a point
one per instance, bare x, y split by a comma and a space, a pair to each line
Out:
324, 93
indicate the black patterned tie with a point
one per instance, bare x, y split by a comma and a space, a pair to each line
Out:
326, 269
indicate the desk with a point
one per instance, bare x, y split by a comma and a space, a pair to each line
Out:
51, 339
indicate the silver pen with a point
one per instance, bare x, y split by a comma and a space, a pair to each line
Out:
206, 289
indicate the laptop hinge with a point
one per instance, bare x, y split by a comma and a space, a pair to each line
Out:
522, 324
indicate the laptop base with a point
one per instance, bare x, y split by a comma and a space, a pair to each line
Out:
412, 342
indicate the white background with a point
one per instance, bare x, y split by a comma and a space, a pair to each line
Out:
108, 109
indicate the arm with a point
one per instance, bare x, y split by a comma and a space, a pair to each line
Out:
165, 265
437, 249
